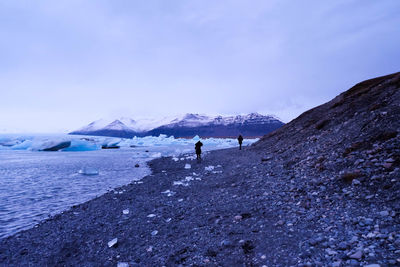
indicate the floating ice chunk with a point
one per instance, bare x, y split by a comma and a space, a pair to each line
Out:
215, 172
89, 171
154, 232
151, 215
122, 264
82, 145
219, 166
112, 242
209, 168
175, 159
168, 220
180, 200
125, 211
187, 166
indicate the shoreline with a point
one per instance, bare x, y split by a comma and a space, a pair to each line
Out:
245, 210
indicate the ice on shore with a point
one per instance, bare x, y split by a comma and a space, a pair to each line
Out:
169, 193
209, 168
112, 242
180, 183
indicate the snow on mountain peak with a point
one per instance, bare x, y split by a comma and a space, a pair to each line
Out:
118, 125
185, 120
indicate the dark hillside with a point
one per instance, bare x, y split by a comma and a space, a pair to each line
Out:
358, 131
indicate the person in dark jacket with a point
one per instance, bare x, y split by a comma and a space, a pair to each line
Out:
197, 147
240, 140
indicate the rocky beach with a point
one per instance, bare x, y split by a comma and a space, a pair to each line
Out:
323, 190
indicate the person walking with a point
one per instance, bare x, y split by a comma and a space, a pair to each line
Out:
240, 140
197, 147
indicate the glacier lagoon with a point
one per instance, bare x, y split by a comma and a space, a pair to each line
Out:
36, 184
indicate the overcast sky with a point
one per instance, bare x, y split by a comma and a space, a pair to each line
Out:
66, 63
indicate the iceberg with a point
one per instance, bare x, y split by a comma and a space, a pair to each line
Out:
82, 145
169, 146
54, 145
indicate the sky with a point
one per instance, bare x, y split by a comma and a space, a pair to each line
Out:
66, 63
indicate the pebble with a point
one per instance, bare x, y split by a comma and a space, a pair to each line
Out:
357, 255
155, 232
384, 213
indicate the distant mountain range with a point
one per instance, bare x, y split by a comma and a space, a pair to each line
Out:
186, 126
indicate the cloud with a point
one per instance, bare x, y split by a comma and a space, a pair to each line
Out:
83, 60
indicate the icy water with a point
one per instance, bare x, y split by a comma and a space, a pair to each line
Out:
37, 184
34, 185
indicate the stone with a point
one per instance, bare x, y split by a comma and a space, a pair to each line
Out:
384, 213
387, 165
330, 252
342, 245
155, 232
357, 255
137, 165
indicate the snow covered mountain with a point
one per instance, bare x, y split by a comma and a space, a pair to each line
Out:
251, 125
187, 125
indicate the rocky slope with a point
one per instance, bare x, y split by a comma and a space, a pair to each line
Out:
324, 190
